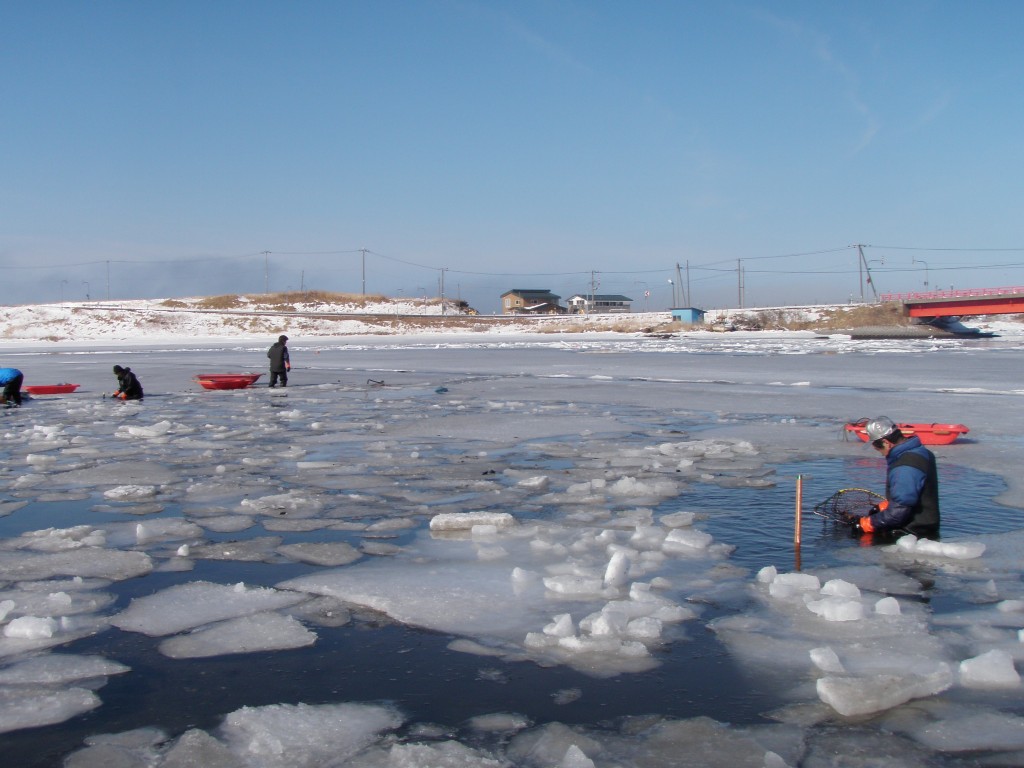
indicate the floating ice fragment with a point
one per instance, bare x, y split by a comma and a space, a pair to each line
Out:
57, 668
993, 669
851, 696
888, 606
499, 722
459, 521
837, 609
677, 519
827, 660
575, 758
681, 540
130, 492
538, 483
31, 627
767, 574
561, 626
618, 568
289, 735
248, 634
186, 606
155, 430
788, 584
645, 628
330, 553
31, 707
967, 550
840, 588
577, 586
974, 731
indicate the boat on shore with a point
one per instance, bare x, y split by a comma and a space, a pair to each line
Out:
929, 434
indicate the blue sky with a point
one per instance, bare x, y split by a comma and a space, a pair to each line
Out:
161, 149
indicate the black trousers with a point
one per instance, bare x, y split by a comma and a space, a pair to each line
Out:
12, 389
274, 375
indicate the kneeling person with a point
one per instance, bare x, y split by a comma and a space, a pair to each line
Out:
128, 386
911, 485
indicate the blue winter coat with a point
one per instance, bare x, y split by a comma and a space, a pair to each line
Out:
912, 490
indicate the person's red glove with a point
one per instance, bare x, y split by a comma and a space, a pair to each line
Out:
865, 525
287, 366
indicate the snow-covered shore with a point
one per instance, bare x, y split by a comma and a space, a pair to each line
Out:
166, 321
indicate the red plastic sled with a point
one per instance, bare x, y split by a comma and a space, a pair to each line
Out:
50, 389
930, 434
226, 380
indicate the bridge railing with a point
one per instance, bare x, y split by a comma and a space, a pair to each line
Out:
959, 293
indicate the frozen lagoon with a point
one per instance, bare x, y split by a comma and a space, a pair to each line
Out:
251, 578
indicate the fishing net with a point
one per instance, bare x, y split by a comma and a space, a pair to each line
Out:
848, 503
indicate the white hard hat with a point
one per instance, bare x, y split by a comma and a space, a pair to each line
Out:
880, 427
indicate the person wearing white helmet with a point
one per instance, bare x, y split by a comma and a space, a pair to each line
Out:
911, 502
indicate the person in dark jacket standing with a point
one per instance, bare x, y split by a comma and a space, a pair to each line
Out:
280, 362
11, 379
128, 386
911, 487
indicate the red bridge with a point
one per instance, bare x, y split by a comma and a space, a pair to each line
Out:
968, 301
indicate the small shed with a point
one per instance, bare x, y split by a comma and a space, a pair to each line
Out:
688, 315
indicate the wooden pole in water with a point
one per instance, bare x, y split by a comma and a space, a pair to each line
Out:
799, 515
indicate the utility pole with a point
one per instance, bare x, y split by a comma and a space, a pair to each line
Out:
443, 270
593, 289
266, 272
739, 281
363, 251
679, 281
689, 296
862, 267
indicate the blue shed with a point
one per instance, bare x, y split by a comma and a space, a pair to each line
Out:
689, 315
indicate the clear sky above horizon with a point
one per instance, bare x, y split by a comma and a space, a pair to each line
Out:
176, 149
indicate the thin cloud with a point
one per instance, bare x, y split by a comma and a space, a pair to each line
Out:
819, 45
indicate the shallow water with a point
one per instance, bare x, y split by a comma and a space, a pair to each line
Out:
374, 660
487, 422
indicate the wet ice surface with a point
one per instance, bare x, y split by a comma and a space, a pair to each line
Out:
578, 554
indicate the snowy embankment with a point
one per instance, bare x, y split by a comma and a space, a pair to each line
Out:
168, 321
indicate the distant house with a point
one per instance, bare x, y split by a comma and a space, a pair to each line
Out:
597, 303
530, 301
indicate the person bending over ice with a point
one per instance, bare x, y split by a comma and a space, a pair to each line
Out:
11, 379
911, 502
128, 386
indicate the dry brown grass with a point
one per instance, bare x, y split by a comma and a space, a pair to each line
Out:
839, 318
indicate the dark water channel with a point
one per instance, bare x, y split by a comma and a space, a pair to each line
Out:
372, 660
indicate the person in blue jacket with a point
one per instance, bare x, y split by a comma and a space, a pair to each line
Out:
911, 502
11, 379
